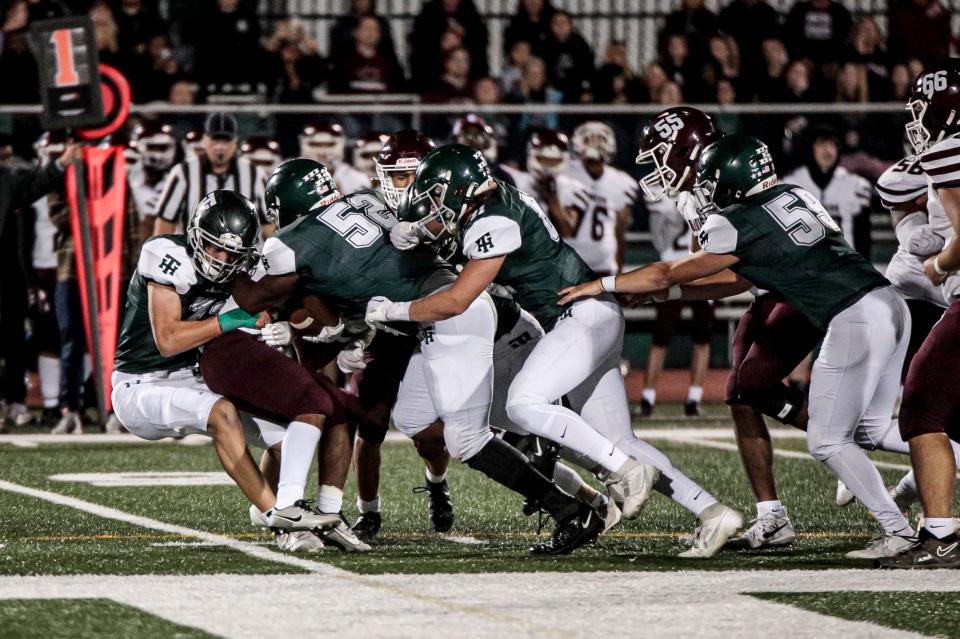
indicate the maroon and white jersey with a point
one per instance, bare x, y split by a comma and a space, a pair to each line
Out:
349, 180
941, 165
845, 197
596, 237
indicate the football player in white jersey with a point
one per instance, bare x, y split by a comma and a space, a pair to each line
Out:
155, 149
326, 143
845, 195
599, 238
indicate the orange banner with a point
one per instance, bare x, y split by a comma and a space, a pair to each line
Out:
105, 195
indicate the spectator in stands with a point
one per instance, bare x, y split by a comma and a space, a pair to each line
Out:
901, 83
569, 58
531, 23
676, 61
655, 78
918, 29
867, 48
770, 85
852, 83
693, 20
517, 57
486, 91
818, 30
182, 92
726, 96
533, 89
362, 69
227, 51
17, 66
299, 68
799, 87
442, 26
107, 39
341, 33
616, 82
137, 24
157, 71
750, 22
454, 85
671, 94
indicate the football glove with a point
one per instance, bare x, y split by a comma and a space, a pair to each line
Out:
924, 241
351, 360
381, 310
404, 236
327, 334
276, 335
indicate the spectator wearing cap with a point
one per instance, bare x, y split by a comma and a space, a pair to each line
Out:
218, 167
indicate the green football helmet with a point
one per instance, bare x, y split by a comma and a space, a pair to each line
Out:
297, 187
224, 221
448, 180
732, 169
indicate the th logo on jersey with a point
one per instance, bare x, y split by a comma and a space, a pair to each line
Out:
484, 243
169, 265
426, 335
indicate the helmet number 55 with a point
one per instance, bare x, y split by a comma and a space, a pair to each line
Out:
805, 222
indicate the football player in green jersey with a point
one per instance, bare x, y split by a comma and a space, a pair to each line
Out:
338, 252
780, 238
175, 304
508, 240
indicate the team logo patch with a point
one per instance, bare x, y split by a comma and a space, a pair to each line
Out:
427, 335
520, 340
484, 243
169, 264
568, 312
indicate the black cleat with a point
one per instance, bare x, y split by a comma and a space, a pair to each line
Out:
646, 408
367, 526
930, 553
570, 534
692, 409
441, 505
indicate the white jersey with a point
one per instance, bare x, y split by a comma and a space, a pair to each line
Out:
146, 195
571, 193
847, 195
596, 237
669, 231
45, 232
941, 166
349, 180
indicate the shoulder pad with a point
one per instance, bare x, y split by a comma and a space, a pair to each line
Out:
901, 183
168, 263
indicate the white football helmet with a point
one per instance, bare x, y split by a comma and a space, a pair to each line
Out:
365, 150
324, 142
594, 141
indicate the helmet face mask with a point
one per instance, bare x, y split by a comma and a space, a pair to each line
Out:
594, 141
917, 133
399, 157
227, 223
672, 141
703, 191
441, 222
405, 167
547, 153
662, 179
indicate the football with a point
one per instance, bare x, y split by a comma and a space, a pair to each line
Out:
312, 316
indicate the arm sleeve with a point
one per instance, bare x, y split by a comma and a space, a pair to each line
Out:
173, 195
718, 235
491, 236
29, 185
278, 258
166, 263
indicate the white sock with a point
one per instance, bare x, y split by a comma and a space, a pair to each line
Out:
567, 479
296, 455
939, 527
329, 499
672, 482
434, 479
650, 395
907, 487
372, 506
695, 394
855, 469
49, 370
767, 507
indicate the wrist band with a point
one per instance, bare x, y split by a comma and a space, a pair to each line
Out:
674, 292
399, 312
936, 267
609, 284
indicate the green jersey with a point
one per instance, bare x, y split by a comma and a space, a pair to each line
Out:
788, 243
164, 259
538, 264
342, 252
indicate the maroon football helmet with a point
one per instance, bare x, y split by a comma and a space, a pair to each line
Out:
263, 151
934, 105
474, 131
193, 142
324, 142
400, 156
365, 150
547, 152
672, 140
154, 143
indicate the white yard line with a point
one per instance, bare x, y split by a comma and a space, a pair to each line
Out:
792, 454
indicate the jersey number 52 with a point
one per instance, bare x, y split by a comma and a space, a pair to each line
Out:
347, 217
802, 217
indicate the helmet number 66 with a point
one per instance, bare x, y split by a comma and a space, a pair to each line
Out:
933, 82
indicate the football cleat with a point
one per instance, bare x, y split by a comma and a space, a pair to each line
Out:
300, 516
646, 408
692, 409
717, 523
367, 525
344, 538
844, 496
575, 531
298, 541
884, 546
611, 515
440, 506
773, 529
635, 480
69, 423
19, 414
257, 518
929, 553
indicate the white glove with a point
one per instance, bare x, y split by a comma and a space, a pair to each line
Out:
403, 236
689, 209
351, 360
276, 335
924, 241
326, 335
381, 310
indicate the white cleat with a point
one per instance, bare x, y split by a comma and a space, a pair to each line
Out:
69, 423
635, 480
773, 529
19, 414
299, 541
717, 524
343, 537
300, 516
611, 515
844, 496
884, 546
257, 518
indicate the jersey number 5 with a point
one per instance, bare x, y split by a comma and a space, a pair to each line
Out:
347, 217
801, 216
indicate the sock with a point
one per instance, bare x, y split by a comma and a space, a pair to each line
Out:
296, 454
907, 488
855, 469
767, 507
434, 479
695, 394
939, 527
49, 370
330, 499
650, 395
372, 506
672, 482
